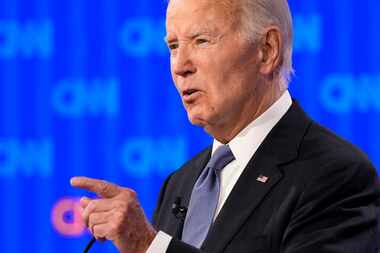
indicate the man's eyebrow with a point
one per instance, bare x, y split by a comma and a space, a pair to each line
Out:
194, 34
169, 39
203, 30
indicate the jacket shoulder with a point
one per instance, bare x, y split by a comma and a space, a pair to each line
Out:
321, 144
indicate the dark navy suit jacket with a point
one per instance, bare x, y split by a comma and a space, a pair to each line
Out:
322, 196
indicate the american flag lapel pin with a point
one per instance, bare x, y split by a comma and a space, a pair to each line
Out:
262, 179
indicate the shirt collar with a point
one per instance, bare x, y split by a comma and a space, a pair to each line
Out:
245, 144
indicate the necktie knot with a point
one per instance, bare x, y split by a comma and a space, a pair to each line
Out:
221, 157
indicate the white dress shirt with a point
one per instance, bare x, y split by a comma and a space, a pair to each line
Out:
243, 146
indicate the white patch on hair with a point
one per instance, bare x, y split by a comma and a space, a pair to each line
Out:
257, 15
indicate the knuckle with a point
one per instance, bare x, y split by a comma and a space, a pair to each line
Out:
122, 206
119, 217
132, 193
91, 206
114, 229
103, 187
129, 194
97, 232
91, 218
84, 216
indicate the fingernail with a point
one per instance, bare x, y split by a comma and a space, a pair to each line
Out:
73, 180
84, 200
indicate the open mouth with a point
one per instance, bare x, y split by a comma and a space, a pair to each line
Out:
189, 95
189, 92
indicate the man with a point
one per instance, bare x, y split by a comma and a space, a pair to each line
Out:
273, 180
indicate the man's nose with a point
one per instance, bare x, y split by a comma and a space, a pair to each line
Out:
183, 64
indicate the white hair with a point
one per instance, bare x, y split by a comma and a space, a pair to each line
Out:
257, 15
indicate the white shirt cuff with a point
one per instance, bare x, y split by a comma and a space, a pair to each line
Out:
160, 243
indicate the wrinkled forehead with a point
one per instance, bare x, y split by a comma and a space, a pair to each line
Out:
227, 4
199, 13
227, 8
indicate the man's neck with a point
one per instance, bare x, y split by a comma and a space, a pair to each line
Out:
224, 133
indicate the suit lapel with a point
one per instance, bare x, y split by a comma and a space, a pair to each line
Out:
184, 186
279, 147
194, 170
242, 201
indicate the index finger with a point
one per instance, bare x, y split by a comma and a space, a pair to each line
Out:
102, 188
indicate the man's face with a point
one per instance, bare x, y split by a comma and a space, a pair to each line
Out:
213, 67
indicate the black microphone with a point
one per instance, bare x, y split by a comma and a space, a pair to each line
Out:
93, 240
178, 210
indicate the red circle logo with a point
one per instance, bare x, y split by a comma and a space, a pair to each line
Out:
66, 217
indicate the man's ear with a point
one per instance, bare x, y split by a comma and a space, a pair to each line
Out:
270, 48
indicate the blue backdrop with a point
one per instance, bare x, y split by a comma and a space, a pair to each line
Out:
85, 89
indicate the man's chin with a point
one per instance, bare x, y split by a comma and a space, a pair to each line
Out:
197, 120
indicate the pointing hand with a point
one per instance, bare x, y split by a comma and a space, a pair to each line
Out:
116, 216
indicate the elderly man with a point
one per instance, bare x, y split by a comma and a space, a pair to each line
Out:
273, 180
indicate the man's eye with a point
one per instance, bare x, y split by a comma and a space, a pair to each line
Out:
173, 46
201, 41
